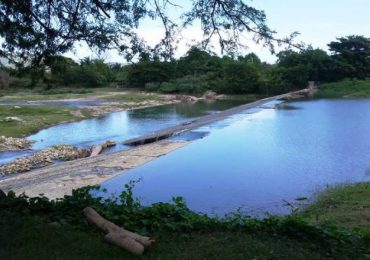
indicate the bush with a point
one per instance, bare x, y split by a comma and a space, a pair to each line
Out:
138, 75
23, 82
127, 211
57, 91
152, 86
188, 84
240, 78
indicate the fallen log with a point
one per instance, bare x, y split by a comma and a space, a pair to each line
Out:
116, 235
98, 149
116, 238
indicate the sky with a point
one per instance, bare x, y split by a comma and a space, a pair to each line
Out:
318, 22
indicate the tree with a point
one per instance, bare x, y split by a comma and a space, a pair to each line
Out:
241, 77
297, 68
33, 31
353, 54
138, 75
198, 62
250, 57
59, 68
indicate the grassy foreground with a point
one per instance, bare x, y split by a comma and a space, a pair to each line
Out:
30, 238
39, 229
345, 89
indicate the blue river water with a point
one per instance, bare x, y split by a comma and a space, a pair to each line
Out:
255, 161
120, 126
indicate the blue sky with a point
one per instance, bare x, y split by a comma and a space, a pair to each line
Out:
318, 21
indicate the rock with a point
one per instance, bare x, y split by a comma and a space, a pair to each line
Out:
43, 158
13, 119
16, 107
14, 144
210, 94
48, 160
169, 98
186, 98
109, 143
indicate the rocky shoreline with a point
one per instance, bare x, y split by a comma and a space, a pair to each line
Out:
44, 158
14, 144
57, 153
58, 180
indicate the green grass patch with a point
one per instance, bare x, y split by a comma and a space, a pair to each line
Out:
346, 206
41, 94
33, 118
58, 91
345, 89
134, 97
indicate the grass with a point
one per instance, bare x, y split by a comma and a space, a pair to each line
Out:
345, 206
53, 94
345, 89
39, 229
30, 238
33, 118
134, 97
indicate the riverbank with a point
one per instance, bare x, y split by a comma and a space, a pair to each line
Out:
60, 179
345, 206
36, 228
14, 144
345, 89
43, 158
26, 117
316, 234
29, 163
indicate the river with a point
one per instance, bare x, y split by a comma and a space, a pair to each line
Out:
120, 126
256, 160
253, 161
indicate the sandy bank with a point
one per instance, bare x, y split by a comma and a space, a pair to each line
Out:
60, 179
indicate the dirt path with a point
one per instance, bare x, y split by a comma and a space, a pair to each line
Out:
60, 179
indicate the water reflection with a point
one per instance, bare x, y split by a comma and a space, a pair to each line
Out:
261, 159
120, 126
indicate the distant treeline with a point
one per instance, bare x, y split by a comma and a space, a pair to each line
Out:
199, 71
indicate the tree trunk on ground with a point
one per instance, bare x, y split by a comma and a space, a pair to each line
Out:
96, 150
121, 237
116, 238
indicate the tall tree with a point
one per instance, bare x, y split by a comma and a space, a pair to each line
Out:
315, 64
33, 31
352, 53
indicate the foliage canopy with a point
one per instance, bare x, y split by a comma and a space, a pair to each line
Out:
36, 30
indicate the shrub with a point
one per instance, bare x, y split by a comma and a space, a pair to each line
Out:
152, 86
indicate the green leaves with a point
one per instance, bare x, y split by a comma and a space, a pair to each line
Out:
352, 54
36, 31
